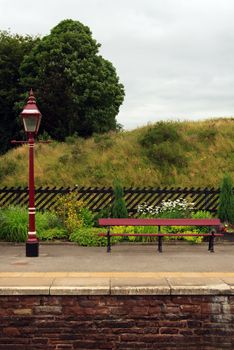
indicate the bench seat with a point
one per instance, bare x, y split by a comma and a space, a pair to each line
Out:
214, 224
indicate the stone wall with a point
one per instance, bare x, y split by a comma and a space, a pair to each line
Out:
116, 322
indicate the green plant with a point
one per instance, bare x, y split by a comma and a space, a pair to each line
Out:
52, 233
226, 200
73, 212
14, 223
103, 213
88, 236
119, 209
159, 133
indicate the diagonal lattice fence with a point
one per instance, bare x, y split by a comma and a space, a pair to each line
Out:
100, 198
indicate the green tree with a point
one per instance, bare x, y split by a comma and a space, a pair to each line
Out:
119, 209
13, 48
226, 201
77, 90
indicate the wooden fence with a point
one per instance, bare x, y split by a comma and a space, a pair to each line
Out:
100, 198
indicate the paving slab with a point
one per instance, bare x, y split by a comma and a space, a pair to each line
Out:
198, 285
80, 286
25, 285
139, 286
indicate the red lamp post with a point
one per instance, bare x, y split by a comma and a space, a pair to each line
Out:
31, 119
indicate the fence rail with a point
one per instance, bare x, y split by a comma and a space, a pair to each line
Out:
100, 198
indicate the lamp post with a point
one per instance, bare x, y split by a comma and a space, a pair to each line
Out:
31, 117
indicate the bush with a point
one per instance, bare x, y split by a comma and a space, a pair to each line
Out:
164, 145
103, 213
88, 236
52, 233
73, 212
160, 133
226, 201
119, 209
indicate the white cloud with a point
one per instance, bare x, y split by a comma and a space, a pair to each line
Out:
174, 57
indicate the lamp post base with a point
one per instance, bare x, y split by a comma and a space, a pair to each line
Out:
32, 249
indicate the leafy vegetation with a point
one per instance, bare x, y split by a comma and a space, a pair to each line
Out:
14, 225
13, 49
119, 209
73, 213
77, 90
226, 204
72, 81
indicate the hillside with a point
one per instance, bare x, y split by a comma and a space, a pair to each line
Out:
198, 155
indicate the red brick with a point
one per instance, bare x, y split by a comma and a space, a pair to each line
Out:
168, 330
11, 331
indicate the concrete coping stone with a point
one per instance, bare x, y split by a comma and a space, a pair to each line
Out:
116, 284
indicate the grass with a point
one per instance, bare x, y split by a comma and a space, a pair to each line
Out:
207, 146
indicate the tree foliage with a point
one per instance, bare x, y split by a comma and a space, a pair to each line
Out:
226, 201
77, 90
13, 48
119, 209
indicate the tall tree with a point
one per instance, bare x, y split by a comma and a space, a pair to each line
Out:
12, 51
77, 90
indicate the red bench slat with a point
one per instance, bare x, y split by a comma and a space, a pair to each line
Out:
159, 222
161, 234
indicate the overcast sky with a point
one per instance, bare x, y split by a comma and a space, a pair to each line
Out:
174, 57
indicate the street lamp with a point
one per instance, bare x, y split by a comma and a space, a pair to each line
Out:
31, 117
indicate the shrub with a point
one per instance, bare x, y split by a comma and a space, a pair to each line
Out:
103, 213
159, 133
226, 201
73, 212
119, 209
52, 233
164, 145
88, 236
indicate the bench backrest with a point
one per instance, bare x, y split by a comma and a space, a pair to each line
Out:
159, 222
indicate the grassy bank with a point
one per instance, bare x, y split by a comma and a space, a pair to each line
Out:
194, 154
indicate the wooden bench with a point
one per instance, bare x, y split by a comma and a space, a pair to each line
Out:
214, 224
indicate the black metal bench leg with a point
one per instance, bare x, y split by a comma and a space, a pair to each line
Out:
211, 242
160, 244
159, 240
108, 241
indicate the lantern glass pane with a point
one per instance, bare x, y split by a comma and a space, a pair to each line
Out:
30, 123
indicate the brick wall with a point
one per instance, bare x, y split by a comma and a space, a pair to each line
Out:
116, 322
